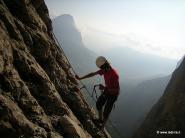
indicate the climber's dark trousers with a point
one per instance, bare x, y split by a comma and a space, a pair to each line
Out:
108, 101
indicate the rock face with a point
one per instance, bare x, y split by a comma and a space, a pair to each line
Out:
39, 96
168, 114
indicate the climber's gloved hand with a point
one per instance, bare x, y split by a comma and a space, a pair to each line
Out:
77, 77
101, 87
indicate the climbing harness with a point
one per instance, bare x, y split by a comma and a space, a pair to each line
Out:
94, 91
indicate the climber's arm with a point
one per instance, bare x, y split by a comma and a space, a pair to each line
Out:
87, 76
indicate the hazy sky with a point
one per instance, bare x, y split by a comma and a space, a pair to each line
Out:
151, 26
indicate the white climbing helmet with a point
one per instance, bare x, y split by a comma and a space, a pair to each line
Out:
100, 61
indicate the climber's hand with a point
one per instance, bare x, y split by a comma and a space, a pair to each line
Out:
101, 87
77, 77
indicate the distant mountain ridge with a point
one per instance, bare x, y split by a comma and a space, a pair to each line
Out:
82, 59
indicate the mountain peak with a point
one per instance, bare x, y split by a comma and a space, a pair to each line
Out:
66, 19
66, 16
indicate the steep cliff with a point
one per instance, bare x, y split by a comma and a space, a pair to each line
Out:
166, 119
39, 96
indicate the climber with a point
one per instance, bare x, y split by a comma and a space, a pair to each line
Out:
110, 90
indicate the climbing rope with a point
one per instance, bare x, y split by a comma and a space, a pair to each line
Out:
83, 85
